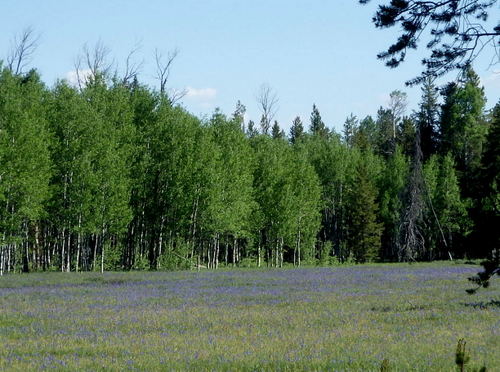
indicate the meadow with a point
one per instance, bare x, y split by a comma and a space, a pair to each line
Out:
331, 318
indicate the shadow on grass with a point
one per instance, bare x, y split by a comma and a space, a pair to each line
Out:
483, 304
410, 307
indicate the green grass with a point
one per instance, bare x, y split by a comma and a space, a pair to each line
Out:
342, 319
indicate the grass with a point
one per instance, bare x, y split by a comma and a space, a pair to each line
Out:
342, 318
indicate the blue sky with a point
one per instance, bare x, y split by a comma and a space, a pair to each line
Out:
314, 51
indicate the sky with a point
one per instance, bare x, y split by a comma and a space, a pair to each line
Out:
309, 52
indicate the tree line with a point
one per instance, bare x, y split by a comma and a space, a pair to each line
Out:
114, 175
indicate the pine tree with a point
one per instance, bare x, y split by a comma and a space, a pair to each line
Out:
428, 118
251, 130
365, 138
385, 140
296, 131
431, 230
350, 128
276, 131
450, 208
317, 126
463, 128
488, 235
407, 131
239, 114
364, 230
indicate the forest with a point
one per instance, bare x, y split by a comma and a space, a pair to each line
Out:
112, 174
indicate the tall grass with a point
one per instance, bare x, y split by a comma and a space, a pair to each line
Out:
343, 318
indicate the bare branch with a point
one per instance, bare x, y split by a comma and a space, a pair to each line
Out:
175, 95
268, 105
397, 105
79, 78
132, 68
96, 59
163, 68
91, 63
23, 47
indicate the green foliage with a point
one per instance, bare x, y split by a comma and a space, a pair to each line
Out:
385, 366
392, 185
24, 143
427, 118
350, 129
461, 356
25, 164
491, 268
365, 137
230, 200
458, 32
385, 140
450, 208
111, 175
364, 230
463, 128
317, 126
296, 130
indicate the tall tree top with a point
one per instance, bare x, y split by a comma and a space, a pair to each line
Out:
317, 127
297, 130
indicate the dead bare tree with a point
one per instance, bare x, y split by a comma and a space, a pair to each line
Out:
132, 67
163, 69
268, 105
92, 63
397, 105
412, 243
23, 47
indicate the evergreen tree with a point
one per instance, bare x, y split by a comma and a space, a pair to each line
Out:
385, 140
450, 208
350, 128
366, 137
428, 118
239, 114
251, 130
317, 126
463, 128
431, 231
276, 131
296, 131
407, 131
364, 230
487, 234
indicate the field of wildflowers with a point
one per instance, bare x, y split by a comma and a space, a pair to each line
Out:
338, 318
